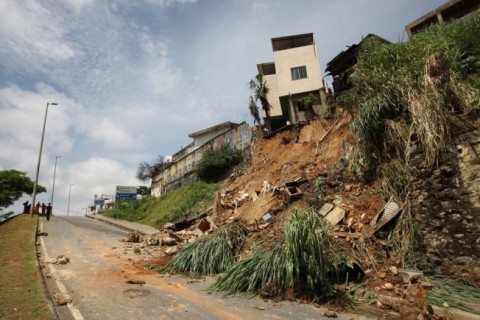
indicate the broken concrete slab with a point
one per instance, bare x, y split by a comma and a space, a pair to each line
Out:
335, 216
327, 207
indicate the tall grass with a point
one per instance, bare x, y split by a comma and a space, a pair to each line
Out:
408, 89
209, 255
303, 261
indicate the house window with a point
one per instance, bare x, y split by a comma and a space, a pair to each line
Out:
299, 72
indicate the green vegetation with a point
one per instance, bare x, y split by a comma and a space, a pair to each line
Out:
394, 179
21, 292
147, 171
13, 184
216, 163
210, 255
457, 293
259, 88
302, 262
407, 91
170, 207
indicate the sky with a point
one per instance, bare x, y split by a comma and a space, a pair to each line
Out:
132, 79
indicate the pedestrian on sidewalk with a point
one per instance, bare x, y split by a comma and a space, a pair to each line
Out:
44, 208
49, 211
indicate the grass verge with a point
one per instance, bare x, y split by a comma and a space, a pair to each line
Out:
21, 292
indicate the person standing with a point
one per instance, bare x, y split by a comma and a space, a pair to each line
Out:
25, 207
36, 210
44, 208
49, 211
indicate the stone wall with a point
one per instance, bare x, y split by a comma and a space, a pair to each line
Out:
445, 202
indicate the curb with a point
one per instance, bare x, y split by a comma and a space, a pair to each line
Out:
46, 292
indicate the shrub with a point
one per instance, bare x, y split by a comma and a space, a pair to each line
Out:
210, 255
303, 261
410, 88
216, 163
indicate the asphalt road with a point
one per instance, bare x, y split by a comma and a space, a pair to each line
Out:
96, 280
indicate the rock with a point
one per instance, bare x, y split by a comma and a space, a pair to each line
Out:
168, 241
152, 242
389, 286
136, 250
61, 299
393, 270
171, 250
133, 237
330, 314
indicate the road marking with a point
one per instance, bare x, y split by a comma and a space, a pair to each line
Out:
73, 309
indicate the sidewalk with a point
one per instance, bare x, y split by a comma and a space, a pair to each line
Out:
127, 225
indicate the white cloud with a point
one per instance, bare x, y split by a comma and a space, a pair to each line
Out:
31, 35
165, 3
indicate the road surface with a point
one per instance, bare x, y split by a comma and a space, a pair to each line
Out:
96, 278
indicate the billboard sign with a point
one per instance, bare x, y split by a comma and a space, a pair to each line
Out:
126, 193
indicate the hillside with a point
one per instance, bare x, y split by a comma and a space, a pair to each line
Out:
378, 202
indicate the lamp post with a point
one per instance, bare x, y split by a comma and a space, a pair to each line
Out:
53, 186
34, 193
69, 193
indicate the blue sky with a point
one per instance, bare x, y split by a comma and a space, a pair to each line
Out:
133, 78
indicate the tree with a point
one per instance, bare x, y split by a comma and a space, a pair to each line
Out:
260, 91
143, 190
307, 102
252, 107
147, 171
13, 184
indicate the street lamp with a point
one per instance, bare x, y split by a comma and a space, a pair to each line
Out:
34, 193
53, 186
69, 193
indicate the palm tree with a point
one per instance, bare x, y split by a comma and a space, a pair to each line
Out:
252, 106
260, 91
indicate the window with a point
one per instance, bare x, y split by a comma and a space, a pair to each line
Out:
299, 73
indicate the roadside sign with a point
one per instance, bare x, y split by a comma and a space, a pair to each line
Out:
126, 193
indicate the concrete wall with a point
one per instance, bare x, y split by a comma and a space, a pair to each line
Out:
204, 138
181, 171
297, 57
272, 95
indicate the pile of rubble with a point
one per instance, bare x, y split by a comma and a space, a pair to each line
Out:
170, 238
